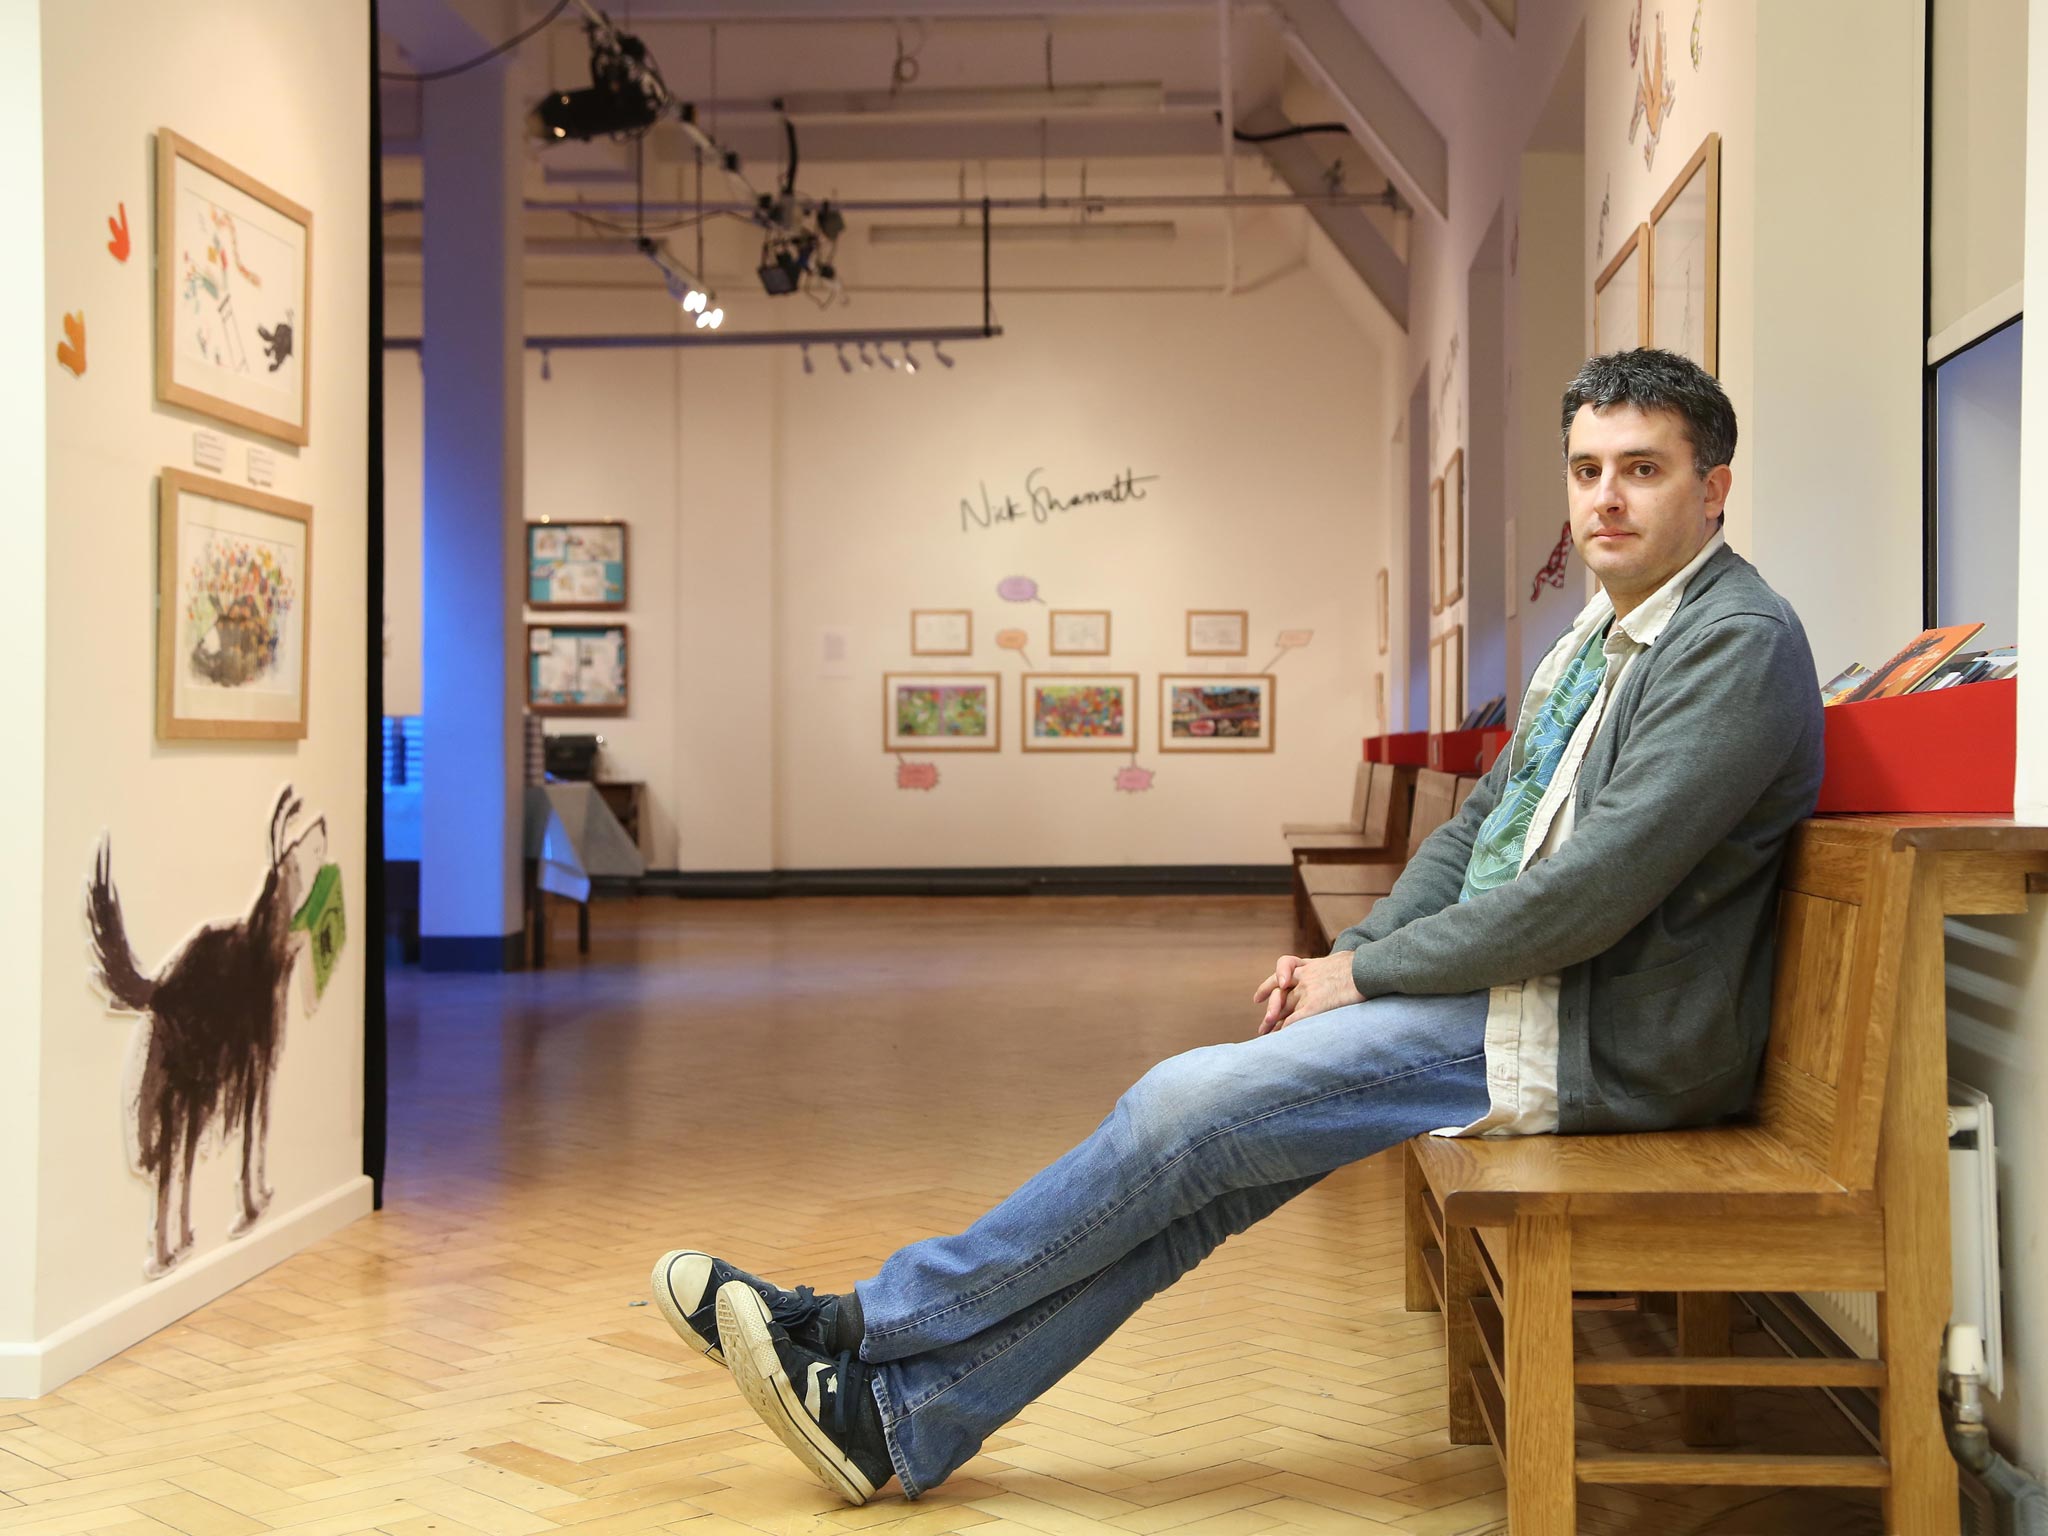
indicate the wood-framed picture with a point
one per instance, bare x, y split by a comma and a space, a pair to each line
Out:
941, 632
1452, 546
1218, 631
1216, 712
1379, 703
1434, 555
1447, 679
1385, 620
575, 565
942, 712
1685, 266
576, 669
234, 611
1078, 632
1621, 296
234, 294
1080, 712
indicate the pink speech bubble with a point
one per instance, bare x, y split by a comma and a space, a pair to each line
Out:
1012, 639
917, 775
1017, 589
1294, 639
1134, 778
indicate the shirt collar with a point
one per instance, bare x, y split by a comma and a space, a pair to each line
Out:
1648, 619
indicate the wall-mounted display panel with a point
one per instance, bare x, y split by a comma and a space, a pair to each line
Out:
1203, 712
1385, 616
1451, 543
1080, 712
575, 565
576, 669
941, 712
1685, 268
1218, 631
1621, 296
941, 632
1079, 632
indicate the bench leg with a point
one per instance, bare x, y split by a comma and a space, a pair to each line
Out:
1304, 914
1416, 1236
1706, 1415
1463, 1352
1542, 1487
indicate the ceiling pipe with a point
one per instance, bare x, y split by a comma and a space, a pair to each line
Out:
1227, 121
1092, 201
662, 340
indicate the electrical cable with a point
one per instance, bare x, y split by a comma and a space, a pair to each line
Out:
1296, 131
480, 60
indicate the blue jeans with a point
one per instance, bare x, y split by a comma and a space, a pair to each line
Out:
965, 1331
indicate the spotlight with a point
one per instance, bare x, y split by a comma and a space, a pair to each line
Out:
695, 300
882, 351
808, 368
909, 362
781, 271
711, 320
546, 367
844, 365
866, 361
940, 355
625, 94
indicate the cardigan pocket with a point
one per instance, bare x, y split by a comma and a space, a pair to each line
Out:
1663, 1031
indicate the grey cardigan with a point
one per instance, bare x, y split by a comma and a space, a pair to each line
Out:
1660, 909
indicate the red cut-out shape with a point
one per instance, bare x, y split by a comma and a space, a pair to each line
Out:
118, 246
71, 350
1553, 568
917, 775
1134, 778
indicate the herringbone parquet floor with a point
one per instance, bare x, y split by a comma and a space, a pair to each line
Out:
801, 1085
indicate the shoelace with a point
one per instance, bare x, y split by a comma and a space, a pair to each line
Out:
840, 1394
792, 1309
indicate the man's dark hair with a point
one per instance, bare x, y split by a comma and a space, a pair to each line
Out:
1653, 380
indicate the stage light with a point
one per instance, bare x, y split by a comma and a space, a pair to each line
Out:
807, 359
882, 351
940, 355
625, 94
865, 361
909, 362
844, 365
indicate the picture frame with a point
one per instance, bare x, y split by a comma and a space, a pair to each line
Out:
234, 294
578, 565
1078, 632
1447, 679
1218, 631
1621, 296
1379, 703
1685, 250
234, 611
1080, 712
941, 632
576, 669
942, 712
1451, 547
1385, 622
1217, 712
1436, 684
1434, 555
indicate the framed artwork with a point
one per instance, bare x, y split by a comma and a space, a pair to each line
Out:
1685, 250
941, 632
1080, 712
234, 610
1511, 564
575, 565
576, 669
1452, 545
234, 293
1379, 703
1079, 632
1447, 679
1621, 296
1218, 631
1385, 620
941, 712
1436, 684
1435, 553
1215, 712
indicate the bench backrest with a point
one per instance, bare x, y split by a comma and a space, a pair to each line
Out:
1436, 801
1361, 795
1466, 784
1387, 805
1841, 930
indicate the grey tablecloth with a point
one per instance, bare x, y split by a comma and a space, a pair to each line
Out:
574, 835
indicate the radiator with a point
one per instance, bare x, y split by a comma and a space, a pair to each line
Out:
1973, 1243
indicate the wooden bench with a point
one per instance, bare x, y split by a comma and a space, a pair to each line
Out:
1840, 1182
1361, 790
1381, 833
1330, 897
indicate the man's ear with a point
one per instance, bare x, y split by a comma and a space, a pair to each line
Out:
1719, 480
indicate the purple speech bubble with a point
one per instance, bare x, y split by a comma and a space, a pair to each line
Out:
1017, 589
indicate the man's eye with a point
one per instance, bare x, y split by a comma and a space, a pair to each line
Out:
1644, 471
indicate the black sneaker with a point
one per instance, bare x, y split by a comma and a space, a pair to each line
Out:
686, 1286
821, 1406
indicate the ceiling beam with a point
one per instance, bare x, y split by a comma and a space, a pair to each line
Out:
1350, 228
1385, 117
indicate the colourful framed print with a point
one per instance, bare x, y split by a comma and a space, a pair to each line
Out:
234, 294
575, 565
1685, 250
941, 632
941, 712
1079, 632
1218, 631
1216, 712
1080, 712
576, 669
234, 611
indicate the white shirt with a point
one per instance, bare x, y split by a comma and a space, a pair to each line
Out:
1521, 1017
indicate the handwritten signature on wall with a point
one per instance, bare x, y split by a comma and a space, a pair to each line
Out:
1040, 501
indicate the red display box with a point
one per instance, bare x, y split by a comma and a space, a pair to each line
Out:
1375, 749
1951, 751
1492, 743
1406, 749
1455, 751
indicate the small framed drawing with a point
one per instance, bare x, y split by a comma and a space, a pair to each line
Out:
1079, 632
941, 632
234, 293
1435, 552
575, 565
1379, 703
1685, 250
1218, 631
1080, 712
1447, 679
941, 712
1213, 712
1385, 618
1621, 296
234, 610
576, 669
1453, 544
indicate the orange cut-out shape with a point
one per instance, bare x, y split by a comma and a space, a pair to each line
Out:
917, 775
118, 246
71, 350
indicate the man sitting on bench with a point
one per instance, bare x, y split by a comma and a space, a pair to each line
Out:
1586, 946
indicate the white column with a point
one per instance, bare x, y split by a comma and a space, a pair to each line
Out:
2031, 791
473, 657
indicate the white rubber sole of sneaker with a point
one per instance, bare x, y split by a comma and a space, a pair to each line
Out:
687, 1271
744, 1326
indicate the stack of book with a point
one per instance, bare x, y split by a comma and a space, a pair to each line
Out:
1932, 660
1494, 712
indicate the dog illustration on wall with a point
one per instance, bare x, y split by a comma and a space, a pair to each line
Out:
214, 1020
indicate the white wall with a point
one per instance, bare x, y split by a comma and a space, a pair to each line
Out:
1979, 169
279, 92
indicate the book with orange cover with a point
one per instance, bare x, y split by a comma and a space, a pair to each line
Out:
1926, 651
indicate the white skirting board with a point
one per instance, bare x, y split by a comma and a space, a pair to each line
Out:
38, 1367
